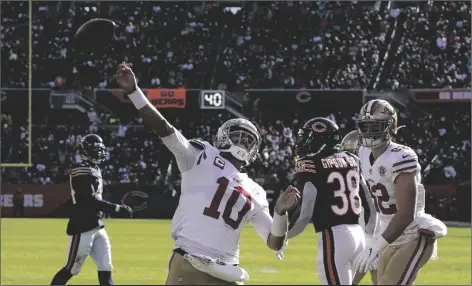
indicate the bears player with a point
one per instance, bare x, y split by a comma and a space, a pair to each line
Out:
216, 198
350, 144
392, 173
86, 230
330, 198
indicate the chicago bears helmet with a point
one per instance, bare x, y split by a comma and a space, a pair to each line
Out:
318, 135
92, 149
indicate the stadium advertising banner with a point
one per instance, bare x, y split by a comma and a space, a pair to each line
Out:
441, 95
117, 101
38, 200
167, 98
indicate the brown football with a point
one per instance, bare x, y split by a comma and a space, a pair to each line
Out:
94, 34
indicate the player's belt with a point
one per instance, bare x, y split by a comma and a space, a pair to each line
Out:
183, 252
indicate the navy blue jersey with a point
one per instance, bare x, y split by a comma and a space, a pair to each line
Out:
87, 204
335, 180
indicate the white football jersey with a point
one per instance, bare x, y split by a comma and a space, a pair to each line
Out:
380, 177
216, 201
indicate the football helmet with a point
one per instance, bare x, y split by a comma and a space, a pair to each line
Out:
240, 138
92, 149
316, 136
376, 123
350, 142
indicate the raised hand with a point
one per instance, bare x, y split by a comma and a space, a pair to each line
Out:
126, 78
287, 200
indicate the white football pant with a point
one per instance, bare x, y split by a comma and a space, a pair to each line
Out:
337, 248
94, 243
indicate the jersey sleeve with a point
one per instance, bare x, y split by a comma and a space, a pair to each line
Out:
304, 212
185, 151
84, 188
262, 220
405, 160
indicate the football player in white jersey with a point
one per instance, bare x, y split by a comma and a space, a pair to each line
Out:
407, 235
216, 198
350, 143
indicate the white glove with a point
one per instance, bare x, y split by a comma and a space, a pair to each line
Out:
366, 260
370, 240
279, 254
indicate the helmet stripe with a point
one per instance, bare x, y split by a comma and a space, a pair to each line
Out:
370, 107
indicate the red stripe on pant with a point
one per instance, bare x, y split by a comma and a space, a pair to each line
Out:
329, 258
74, 248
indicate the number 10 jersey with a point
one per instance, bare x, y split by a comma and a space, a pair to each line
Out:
215, 202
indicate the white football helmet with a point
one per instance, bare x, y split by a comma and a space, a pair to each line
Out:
240, 138
377, 123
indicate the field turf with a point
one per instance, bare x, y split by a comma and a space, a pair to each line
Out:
32, 250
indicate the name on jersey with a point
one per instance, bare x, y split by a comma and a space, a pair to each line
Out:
339, 163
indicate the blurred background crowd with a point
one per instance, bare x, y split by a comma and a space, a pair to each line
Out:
356, 45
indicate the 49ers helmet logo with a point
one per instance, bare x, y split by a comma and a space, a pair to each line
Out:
318, 127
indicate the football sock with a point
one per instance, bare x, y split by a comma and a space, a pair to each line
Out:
104, 278
61, 277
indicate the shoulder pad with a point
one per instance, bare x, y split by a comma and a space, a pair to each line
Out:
405, 160
352, 155
81, 170
197, 144
305, 165
401, 149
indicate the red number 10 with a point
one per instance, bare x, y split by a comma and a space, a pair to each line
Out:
212, 210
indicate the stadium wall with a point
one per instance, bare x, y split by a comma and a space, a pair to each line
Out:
148, 201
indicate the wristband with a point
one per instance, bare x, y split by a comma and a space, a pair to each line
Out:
138, 99
279, 225
117, 208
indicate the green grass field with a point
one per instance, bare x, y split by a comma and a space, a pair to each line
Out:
34, 249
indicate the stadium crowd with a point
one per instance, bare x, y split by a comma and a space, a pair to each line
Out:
442, 144
271, 46
435, 49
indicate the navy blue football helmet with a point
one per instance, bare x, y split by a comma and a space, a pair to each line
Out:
92, 149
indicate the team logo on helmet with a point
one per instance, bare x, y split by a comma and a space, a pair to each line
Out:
318, 127
388, 110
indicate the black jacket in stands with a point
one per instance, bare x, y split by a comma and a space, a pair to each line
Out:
87, 204
334, 176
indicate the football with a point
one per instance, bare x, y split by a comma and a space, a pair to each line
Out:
94, 35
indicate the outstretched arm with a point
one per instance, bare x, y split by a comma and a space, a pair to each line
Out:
274, 230
83, 190
298, 225
185, 153
151, 116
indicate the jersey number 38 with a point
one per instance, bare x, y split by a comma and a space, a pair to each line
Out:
212, 210
347, 193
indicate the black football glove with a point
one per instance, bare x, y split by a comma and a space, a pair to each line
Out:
125, 210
